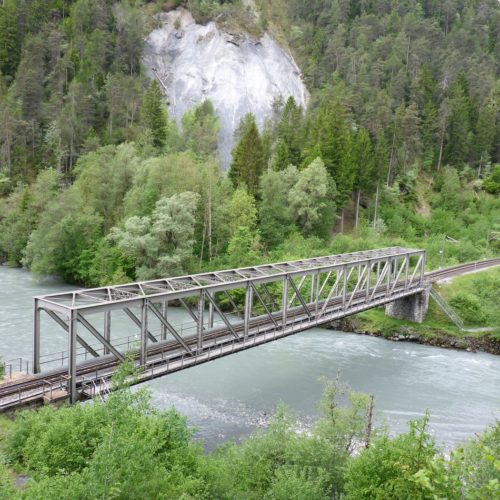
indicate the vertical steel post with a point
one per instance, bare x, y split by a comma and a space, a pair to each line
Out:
285, 301
344, 288
163, 328
199, 326
318, 283
36, 336
210, 312
72, 327
369, 267
248, 309
312, 288
144, 333
407, 270
107, 329
389, 270
422, 268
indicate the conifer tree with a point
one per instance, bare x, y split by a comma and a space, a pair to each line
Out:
10, 43
248, 156
155, 115
332, 140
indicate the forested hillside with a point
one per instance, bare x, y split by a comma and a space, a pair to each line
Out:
400, 143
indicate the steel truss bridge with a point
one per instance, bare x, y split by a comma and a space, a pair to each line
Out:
228, 311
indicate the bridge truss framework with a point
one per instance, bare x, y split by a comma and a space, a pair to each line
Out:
228, 310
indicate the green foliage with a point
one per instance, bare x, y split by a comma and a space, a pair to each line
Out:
275, 214
154, 115
406, 466
491, 184
311, 198
200, 127
475, 298
477, 464
123, 447
248, 155
65, 239
242, 211
86, 144
161, 244
119, 448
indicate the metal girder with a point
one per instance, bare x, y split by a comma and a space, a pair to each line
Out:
269, 294
301, 299
65, 327
268, 312
170, 328
96, 299
223, 316
98, 336
235, 307
138, 322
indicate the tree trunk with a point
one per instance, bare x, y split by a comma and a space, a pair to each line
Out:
369, 423
376, 207
357, 210
392, 154
441, 145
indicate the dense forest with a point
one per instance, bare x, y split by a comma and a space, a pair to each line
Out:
400, 143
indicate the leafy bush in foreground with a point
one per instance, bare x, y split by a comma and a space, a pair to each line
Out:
125, 448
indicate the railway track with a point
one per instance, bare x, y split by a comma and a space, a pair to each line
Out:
35, 387
449, 272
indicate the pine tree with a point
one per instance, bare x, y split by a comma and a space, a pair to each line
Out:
459, 127
332, 140
10, 40
248, 156
289, 130
364, 166
154, 115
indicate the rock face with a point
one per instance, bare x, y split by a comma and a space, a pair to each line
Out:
237, 73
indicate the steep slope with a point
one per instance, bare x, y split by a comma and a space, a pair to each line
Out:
236, 72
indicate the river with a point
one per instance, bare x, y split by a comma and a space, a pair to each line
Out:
231, 397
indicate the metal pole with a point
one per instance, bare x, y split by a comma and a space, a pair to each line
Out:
422, 268
199, 326
107, 329
36, 337
318, 282
407, 270
163, 328
73, 322
344, 288
285, 301
248, 309
368, 280
144, 333
312, 288
210, 313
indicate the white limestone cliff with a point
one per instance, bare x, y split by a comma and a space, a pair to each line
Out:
239, 74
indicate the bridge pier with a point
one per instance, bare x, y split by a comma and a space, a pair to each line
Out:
411, 308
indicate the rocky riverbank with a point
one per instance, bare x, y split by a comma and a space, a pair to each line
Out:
431, 336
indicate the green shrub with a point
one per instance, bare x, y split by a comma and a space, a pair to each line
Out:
407, 466
468, 307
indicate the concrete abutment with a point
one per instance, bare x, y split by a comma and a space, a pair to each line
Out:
411, 308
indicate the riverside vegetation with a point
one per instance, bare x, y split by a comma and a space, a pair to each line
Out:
125, 448
400, 145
